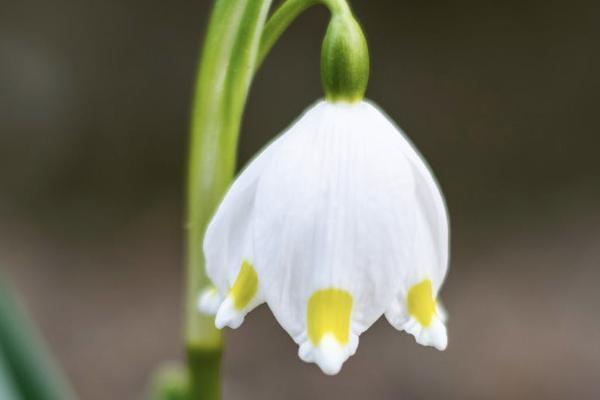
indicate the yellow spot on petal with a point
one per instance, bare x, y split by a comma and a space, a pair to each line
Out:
421, 304
329, 313
245, 286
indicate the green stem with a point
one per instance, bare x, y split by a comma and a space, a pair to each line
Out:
203, 374
283, 17
228, 62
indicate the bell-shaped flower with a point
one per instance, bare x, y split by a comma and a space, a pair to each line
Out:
335, 223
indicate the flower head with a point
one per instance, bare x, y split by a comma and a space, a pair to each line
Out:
335, 223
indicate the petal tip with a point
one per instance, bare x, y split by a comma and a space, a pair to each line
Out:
434, 335
228, 315
329, 354
209, 301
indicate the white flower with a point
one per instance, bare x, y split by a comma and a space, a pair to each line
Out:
335, 223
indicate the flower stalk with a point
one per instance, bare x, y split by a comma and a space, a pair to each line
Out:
225, 72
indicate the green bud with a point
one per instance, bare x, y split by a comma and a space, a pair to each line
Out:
344, 60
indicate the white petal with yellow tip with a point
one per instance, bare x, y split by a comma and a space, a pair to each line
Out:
229, 252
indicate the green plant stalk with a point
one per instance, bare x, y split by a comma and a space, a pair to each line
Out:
281, 19
287, 13
34, 374
226, 70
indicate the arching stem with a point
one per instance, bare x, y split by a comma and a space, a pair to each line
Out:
227, 66
287, 13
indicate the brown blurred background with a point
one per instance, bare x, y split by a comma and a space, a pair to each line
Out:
500, 96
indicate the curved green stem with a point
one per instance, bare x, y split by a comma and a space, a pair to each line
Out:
281, 19
228, 62
287, 12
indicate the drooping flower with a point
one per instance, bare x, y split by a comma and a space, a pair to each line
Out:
335, 223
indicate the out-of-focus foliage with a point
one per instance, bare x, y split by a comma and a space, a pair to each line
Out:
170, 383
26, 370
8, 390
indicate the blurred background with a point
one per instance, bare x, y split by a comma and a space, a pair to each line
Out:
500, 96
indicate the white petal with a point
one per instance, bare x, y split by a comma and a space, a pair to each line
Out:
209, 301
442, 312
337, 210
228, 243
430, 201
329, 355
228, 315
426, 268
431, 249
434, 335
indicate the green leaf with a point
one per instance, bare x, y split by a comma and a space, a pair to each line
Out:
33, 372
8, 389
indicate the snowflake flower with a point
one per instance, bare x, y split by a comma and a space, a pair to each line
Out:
335, 223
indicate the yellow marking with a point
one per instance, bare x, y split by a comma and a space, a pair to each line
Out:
245, 286
421, 304
329, 312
